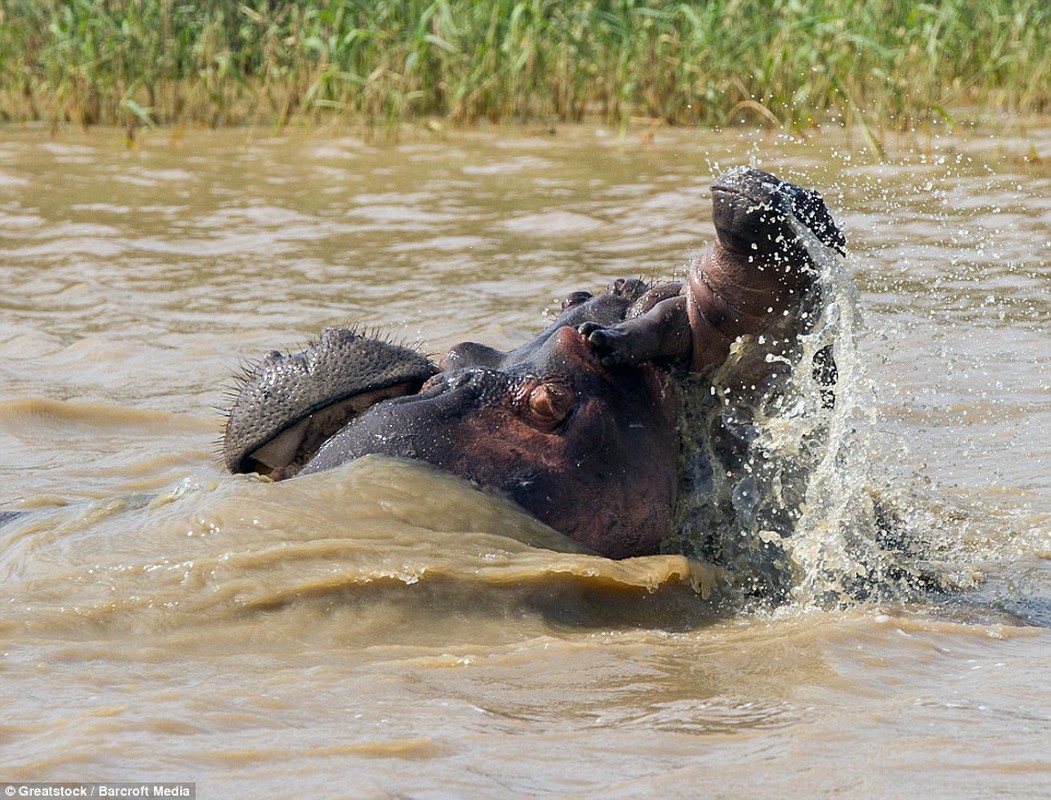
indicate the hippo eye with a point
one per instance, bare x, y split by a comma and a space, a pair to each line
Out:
549, 404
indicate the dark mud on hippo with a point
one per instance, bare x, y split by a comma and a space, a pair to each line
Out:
586, 425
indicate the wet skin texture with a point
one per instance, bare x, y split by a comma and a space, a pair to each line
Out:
578, 425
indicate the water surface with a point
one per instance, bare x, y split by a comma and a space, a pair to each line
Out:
383, 630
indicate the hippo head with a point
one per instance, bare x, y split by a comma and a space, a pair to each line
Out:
587, 449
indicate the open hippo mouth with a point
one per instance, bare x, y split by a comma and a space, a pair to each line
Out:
290, 405
579, 425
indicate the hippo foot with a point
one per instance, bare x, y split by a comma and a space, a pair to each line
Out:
609, 344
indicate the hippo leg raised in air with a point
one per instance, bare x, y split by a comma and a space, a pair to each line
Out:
754, 275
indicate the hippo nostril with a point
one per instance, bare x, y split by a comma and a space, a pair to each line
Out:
470, 354
450, 381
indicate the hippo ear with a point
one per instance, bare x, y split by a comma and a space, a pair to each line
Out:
575, 299
809, 208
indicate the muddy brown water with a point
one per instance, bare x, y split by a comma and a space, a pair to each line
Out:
383, 630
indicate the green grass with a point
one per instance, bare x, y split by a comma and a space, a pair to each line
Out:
790, 63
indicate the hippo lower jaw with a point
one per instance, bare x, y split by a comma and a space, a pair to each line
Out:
287, 453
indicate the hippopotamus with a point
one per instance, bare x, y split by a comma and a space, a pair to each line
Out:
580, 426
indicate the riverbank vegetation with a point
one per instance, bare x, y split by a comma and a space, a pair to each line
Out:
383, 63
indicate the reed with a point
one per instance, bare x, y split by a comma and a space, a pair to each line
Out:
789, 63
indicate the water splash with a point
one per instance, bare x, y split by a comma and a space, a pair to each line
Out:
775, 458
